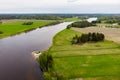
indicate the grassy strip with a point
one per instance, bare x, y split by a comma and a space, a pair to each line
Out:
12, 28
91, 61
108, 25
72, 19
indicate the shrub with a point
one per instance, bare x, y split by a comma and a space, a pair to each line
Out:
1, 32
46, 62
68, 27
53, 76
119, 23
0, 22
47, 76
27, 23
53, 23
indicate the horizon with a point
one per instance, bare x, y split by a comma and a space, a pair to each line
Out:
59, 13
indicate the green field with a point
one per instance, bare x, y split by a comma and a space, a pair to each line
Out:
90, 61
72, 19
108, 25
15, 27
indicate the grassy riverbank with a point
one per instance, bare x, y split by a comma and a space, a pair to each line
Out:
90, 61
14, 27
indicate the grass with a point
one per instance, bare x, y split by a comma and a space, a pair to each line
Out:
12, 28
71, 19
90, 61
108, 25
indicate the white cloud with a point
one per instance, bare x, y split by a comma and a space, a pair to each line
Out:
98, 2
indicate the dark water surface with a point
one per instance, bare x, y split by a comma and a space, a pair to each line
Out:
16, 61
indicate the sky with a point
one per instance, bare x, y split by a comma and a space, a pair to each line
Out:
60, 6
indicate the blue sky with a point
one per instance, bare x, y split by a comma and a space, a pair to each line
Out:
59, 6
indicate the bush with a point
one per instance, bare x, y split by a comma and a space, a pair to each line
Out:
46, 62
119, 23
48, 76
1, 32
53, 23
0, 22
53, 76
90, 37
27, 23
68, 27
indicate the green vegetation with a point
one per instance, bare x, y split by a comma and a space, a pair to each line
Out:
46, 62
90, 37
0, 22
12, 28
90, 61
1, 32
47, 66
27, 23
72, 19
109, 21
81, 24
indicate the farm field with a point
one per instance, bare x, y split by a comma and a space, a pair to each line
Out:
90, 61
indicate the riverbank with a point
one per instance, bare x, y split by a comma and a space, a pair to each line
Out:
90, 61
10, 28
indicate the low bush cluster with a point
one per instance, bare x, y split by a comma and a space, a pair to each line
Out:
90, 37
1, 32
27, 23
47, 66
46, 62
53, 23
0, 22
69, 26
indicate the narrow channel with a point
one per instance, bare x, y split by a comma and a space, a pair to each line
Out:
16, 60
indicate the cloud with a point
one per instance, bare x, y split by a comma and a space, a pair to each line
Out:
60, 6
72, 0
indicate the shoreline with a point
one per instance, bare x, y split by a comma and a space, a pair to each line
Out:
30, 29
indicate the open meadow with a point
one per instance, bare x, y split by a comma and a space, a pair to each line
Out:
90, 61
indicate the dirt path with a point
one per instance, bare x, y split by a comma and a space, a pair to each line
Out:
112, 34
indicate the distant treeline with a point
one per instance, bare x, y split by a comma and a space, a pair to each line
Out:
52, 16
110, 19
30, 17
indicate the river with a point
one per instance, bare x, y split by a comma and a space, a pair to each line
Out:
92, 19
16, 60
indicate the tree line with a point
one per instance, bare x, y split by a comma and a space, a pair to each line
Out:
90, 37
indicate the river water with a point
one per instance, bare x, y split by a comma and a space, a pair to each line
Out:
16, 60
92, 19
